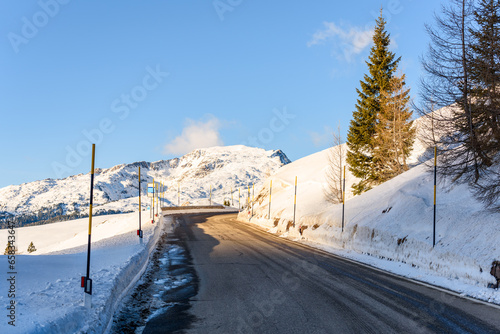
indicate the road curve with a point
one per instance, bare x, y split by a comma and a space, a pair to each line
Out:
251, 281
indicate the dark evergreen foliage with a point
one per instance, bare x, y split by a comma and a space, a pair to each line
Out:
382, 64
484, 68
463, 72
31, 248
394, 135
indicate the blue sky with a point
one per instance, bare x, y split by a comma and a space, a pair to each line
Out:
151, 80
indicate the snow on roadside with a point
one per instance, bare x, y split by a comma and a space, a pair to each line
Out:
48, 294
49, 298
389, 226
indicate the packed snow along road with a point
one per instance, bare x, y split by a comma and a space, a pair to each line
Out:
251, 281
46, 291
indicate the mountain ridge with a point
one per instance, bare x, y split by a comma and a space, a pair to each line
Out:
114, 187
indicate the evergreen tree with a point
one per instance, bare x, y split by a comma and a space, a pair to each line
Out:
382, 64
31, 248
394, 135
9, 248
447, 83
463, 72
484, 68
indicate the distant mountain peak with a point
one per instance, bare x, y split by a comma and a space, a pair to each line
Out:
222, 167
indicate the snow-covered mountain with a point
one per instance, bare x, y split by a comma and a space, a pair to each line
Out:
225, 169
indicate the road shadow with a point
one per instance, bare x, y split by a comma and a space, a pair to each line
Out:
176, 318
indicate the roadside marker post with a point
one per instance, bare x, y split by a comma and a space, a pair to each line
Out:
253, 197
343, 201
435, 178
154, 196
239, 195
295, 202
86, 282
270, 193
157, 196
151, 194
139, 231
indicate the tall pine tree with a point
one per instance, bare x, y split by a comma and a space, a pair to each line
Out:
394, 135
382, 64
446, 83
484, 69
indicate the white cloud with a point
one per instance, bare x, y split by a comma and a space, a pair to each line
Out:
321, 138
196, 134
348, 41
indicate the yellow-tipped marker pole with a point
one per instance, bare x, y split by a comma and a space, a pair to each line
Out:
139, 231
343, 201
270, 193
295, 202
153, 202
86, 281
253, 198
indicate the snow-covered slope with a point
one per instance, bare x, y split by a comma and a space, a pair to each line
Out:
393, 221
116, 188
47, 293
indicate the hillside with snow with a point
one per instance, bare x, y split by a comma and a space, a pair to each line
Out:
225, 169
48, 297
390, 226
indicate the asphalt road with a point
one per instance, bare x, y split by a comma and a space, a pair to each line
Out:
251, 281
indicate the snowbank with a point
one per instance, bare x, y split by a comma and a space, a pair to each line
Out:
48, 294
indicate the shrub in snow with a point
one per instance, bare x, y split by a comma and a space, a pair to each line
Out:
10, 250
31, 248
